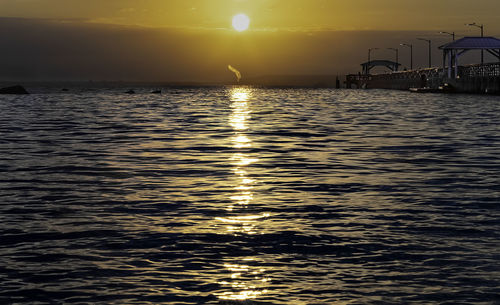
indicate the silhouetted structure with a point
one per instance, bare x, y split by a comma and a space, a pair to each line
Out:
470, 79
391, 65
453, 50
479, 78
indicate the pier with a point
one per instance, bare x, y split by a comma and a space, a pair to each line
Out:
477, 78
470, 79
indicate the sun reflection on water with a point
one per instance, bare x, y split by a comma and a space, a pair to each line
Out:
245, 280
240, 109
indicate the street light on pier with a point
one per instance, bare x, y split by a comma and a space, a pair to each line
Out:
369, 59
411, 53
482, 35
430, 52
451, 34
397, 56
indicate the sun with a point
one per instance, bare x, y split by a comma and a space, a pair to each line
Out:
241, 22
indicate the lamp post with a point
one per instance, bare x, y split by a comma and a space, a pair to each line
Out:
369, 60
430, 56
411, 53
397, 55
482, 35
451, 34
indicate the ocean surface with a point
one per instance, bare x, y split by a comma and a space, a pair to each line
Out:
249, 196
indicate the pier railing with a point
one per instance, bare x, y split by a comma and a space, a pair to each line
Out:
488, 70
471, 78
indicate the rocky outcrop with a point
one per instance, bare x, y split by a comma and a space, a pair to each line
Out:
13, 90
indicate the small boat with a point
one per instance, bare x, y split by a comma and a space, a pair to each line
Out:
446, 88
426, 90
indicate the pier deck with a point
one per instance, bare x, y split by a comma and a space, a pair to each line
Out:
478, 78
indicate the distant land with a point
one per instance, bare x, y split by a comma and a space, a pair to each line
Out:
305, 81
292, 81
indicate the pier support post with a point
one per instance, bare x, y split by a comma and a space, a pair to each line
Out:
450, 63
443, 75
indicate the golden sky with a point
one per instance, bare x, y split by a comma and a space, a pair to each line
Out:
268, 14
192, 40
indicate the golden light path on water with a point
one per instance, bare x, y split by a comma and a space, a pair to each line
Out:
247, 281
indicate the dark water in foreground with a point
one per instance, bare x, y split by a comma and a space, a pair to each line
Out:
241, 196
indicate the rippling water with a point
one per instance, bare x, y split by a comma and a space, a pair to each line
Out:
250, 196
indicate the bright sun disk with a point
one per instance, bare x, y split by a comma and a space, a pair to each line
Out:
241, 22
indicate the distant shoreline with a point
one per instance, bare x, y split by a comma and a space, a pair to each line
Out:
285, 81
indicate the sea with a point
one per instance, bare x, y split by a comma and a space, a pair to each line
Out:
241, 195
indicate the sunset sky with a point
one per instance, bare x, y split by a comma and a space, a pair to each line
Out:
185, 40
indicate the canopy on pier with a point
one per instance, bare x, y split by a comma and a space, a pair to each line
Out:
391, 65
473, 43
453, 50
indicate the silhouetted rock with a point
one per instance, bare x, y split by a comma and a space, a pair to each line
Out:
130, 92
64, 90
13, 90
156, 92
